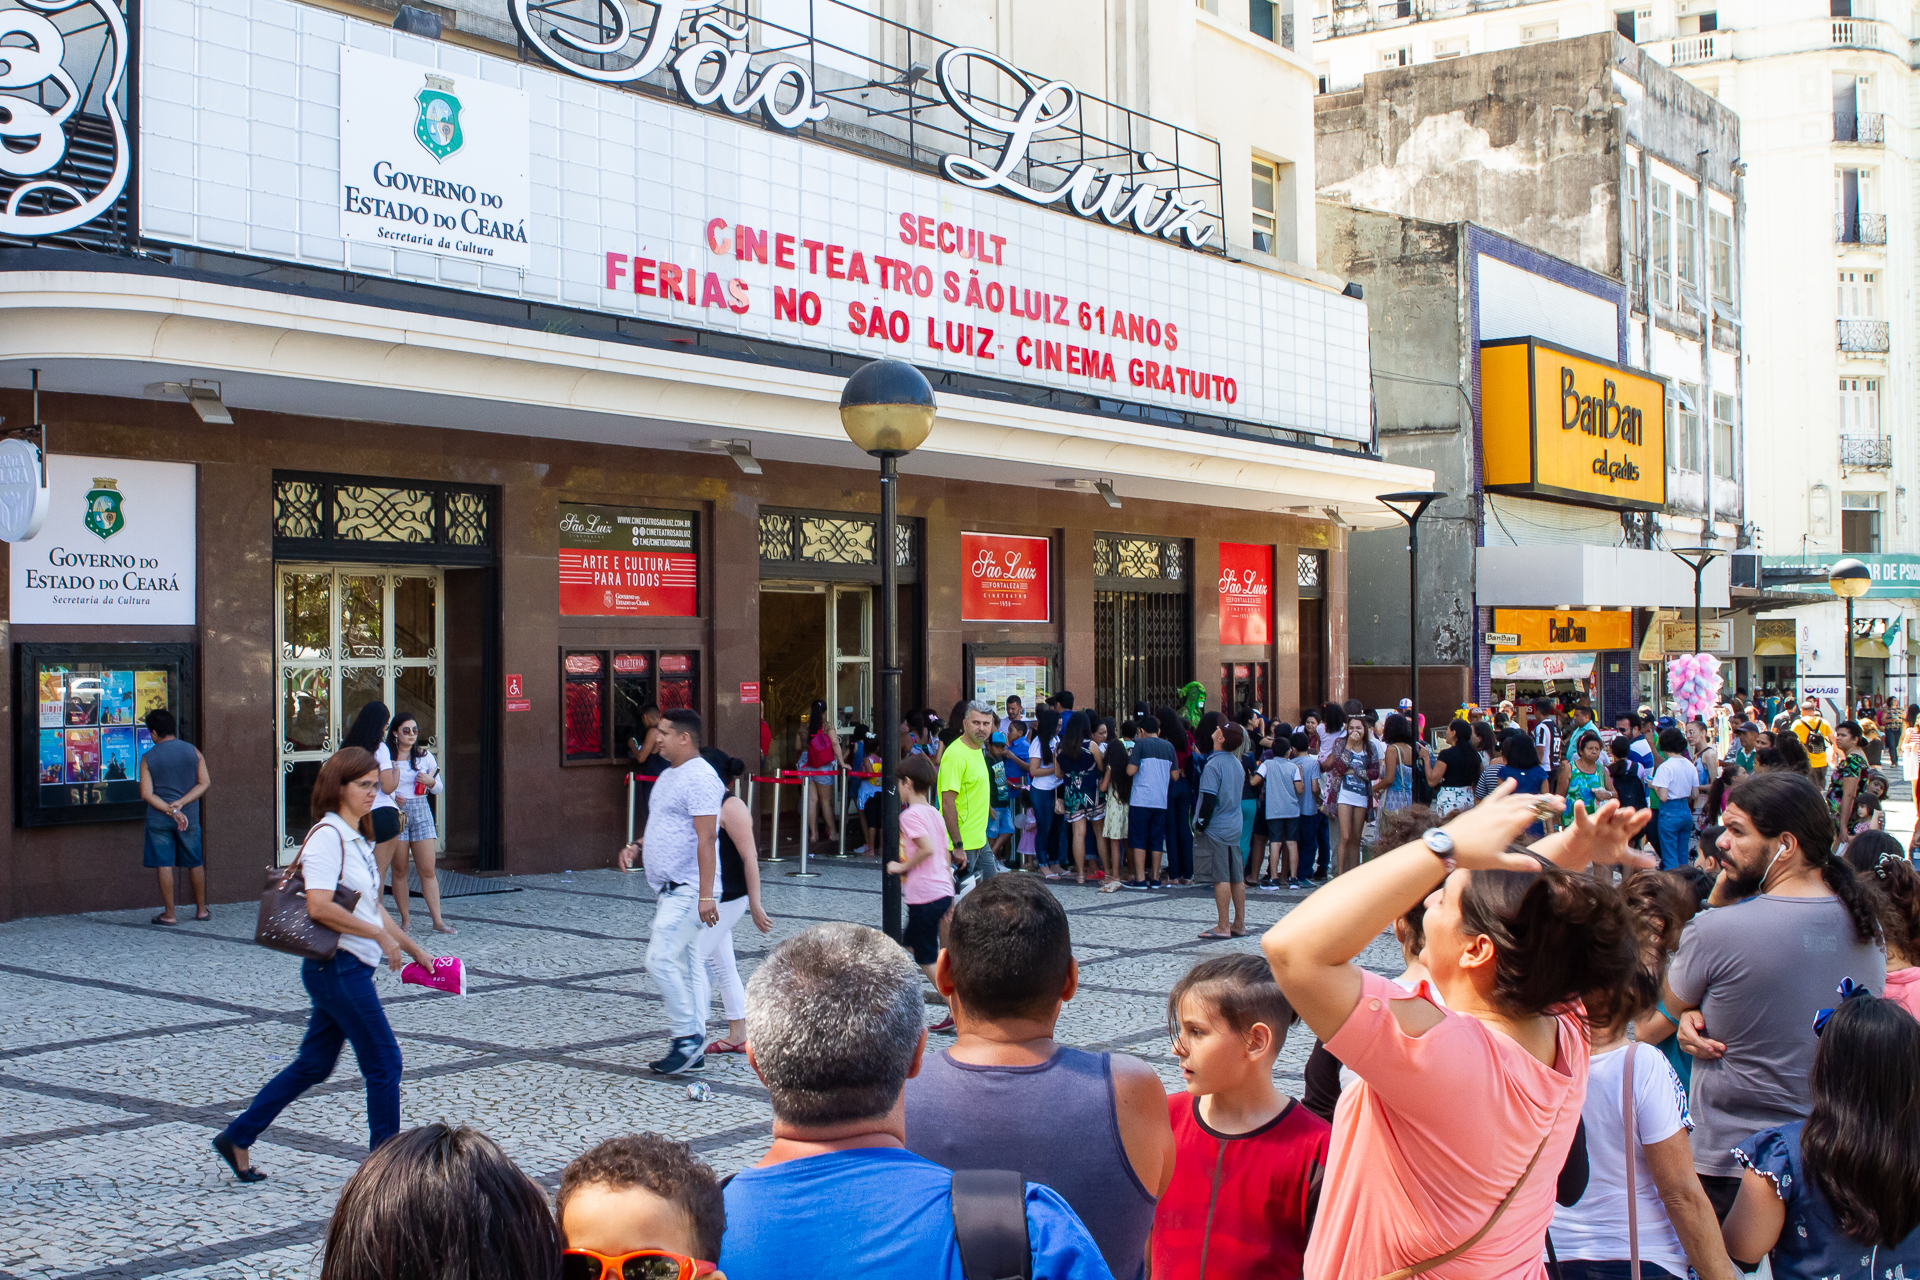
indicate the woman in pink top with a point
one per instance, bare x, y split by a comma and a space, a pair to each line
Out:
1897, 903
1443, 1156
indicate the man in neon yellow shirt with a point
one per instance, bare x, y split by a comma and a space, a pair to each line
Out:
966, 790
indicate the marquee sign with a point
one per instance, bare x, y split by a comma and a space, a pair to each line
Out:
638, 208
45, 190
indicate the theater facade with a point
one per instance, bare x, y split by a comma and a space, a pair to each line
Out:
488, 366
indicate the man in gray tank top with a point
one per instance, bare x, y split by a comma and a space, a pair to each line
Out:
173, 777
1092, 1126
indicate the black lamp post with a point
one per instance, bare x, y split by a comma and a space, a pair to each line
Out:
1697, 559
1849, 579
1410, 506
887, 409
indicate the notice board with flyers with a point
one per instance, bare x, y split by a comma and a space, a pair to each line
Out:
81, 730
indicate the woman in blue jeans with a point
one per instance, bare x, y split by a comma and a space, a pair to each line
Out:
1674, 781
338, 854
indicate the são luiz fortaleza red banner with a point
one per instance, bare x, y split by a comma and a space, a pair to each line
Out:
1005, 578
1246, 593
627, 562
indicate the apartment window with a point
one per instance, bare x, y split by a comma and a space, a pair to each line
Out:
1396, 58
1444, 49
1623, 23
1860, 522
1860, 406
1265, 187
1720, 253
1856, 295
1686, 224
1635, 241
1687, 437
1396, 9
1700, 25
1537, 32
1260, 18
1321, 77
1660, 237
1723, 435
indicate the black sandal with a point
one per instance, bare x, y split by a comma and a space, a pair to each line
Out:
224, 1146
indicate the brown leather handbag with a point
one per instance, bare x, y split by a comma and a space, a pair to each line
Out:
284, 924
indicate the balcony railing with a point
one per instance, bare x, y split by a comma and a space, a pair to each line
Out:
1708, 47
1862, 335
1861, 228
1855, 33
1866, 127
1871, 453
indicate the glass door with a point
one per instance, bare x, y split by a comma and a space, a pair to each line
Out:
348, 635
850, 655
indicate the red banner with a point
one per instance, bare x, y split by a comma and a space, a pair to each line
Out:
627, 562
1005, 578
1246, 593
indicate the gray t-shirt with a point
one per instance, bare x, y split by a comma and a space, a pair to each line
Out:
1155, 758
1758, 971
1223, 777
681, 794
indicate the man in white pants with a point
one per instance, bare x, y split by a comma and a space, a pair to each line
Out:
681, 859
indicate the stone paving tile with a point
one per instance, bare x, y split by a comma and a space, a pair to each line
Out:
23, 1113
547, 1055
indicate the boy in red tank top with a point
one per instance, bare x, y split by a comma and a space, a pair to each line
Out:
1248, 1159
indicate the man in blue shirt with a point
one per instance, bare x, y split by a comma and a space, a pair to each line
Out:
1151, 766
835, 1027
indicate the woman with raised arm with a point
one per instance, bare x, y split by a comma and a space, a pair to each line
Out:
1443, 1155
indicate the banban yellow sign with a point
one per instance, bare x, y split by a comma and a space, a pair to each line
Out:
1564, 426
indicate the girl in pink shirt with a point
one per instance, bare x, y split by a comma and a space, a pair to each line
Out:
1443, 1156
1897, 903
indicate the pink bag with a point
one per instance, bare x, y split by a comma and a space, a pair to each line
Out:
448, 975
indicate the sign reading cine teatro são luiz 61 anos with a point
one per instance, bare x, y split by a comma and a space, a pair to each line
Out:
1555, 424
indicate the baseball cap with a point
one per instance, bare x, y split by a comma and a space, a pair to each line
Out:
1748, 727
1406, 704
1666, 722
1000, 738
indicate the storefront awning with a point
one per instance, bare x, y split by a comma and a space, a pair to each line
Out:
1773, 647
1541, 666
121, 332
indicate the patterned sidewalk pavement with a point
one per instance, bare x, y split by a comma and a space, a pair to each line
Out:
125, 1047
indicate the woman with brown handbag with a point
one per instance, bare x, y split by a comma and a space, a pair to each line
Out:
1432, 1169
338, 856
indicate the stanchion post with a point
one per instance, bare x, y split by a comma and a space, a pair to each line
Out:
773, 854
805, 823
630, 791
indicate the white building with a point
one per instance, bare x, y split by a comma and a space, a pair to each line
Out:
1826, 112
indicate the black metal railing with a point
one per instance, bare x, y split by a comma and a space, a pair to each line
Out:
1873, 453
1862, 335
1869, 127
1860, 228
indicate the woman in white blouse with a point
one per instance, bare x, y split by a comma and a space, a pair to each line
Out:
337, 855
417, 775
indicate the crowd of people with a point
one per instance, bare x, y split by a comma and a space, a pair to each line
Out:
1602, 1058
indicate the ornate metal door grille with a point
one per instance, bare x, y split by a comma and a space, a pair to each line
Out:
832, 546
1140, 648
358, 518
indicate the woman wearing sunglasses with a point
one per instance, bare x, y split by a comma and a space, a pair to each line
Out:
438, 1203
339, 854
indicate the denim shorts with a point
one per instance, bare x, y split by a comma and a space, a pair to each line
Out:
922, 934
1147, 829
1280, 829
168, 846
999, 822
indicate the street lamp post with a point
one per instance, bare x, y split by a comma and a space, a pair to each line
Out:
1849, 579
1418, 500
887, 409
1697, 559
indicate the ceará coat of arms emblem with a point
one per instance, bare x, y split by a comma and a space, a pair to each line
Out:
104, 517
438, 124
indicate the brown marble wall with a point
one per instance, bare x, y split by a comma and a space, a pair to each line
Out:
555, 815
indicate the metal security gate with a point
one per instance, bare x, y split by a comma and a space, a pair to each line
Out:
1142, 621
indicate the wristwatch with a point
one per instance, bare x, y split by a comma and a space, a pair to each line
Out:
1440, 844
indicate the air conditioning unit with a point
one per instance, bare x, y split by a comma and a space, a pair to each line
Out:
1743, 569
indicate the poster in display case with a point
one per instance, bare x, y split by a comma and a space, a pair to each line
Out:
79, 758
1027, 671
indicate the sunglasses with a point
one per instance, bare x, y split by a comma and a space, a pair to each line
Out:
641, 1264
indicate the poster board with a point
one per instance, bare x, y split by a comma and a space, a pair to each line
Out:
995, 671
80, 739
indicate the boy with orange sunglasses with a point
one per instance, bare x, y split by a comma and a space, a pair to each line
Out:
642, 1207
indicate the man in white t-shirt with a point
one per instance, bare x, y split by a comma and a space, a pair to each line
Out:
681, 858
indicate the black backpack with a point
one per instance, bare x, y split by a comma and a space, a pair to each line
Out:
1816, 741
990, 1224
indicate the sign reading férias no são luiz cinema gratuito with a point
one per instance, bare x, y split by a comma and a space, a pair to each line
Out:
1556, 424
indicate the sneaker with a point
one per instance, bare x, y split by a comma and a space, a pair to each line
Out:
1135, 884
683, 1056
1269, 886
448, 975
944, 1025
1296, 883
